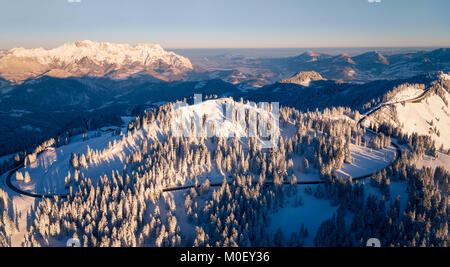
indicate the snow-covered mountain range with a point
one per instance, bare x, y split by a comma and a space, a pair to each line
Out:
87, 58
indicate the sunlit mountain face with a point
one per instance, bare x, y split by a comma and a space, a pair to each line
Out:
93, 59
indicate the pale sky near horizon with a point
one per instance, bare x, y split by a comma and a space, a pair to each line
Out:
226, 23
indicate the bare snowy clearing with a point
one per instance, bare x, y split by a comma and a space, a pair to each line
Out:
367, 160
443, 160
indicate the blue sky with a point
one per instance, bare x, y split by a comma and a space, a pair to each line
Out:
227, 23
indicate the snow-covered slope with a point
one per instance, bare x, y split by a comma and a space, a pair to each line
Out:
94, 59
406, 94
429, 117
110, 152
418, 111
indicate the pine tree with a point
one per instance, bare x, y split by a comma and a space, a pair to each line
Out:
19, 176
27, 178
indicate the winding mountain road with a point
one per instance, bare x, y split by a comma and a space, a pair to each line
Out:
412, 100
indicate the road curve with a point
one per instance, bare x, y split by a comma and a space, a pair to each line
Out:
24, 193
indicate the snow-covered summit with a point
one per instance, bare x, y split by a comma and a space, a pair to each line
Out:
304, 78
109, 53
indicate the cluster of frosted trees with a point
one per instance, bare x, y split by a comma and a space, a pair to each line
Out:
419, 145
424, 221
379, 141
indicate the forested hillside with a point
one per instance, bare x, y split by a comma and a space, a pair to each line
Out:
235, 187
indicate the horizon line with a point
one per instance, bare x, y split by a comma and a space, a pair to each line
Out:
307, 47
235, 47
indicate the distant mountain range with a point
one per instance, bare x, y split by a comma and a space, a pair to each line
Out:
89, 58
122, 61
365, 67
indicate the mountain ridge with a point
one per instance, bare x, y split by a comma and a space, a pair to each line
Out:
365, 67
88, 58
